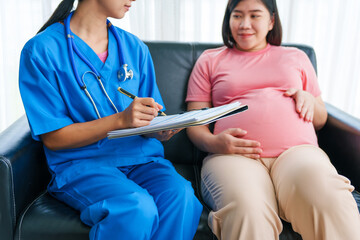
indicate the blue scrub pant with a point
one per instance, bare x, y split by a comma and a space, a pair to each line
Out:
146, 201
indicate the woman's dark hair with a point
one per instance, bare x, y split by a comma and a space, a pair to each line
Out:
60, 13
274, 36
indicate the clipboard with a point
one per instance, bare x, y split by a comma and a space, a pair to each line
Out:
182, 120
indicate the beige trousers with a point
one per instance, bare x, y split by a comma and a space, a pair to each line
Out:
301, 186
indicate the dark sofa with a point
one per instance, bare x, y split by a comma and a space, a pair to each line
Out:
28, 212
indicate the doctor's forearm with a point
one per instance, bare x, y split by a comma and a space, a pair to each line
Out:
82, 134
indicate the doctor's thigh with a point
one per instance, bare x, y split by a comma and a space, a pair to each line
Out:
146, 201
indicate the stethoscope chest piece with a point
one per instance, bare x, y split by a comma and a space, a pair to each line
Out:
124, 74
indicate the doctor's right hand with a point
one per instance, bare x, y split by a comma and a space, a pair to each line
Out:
139, 113
230, 141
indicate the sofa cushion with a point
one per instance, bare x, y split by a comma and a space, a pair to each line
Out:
47, 218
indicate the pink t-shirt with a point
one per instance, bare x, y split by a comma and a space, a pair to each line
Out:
258, 79
103, 56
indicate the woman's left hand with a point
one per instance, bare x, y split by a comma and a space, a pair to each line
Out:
304, 103
163, 135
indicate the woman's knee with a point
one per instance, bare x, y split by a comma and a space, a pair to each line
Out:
255, 208
248, 207
246, 216
315, 186
321, 189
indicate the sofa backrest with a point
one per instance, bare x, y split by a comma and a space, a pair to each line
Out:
174, 62
173, 65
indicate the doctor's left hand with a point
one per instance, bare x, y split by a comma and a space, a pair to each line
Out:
163, 135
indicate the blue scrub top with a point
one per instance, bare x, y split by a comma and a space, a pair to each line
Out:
53, 99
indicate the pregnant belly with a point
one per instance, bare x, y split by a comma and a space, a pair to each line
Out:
272, 120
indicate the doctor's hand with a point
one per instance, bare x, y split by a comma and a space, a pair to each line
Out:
304, 103
163, 135
139, 113
230, 141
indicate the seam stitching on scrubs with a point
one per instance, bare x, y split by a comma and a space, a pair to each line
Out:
73, 196
30, 205
96, 231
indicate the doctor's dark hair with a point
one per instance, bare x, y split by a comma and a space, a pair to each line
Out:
274, 37
61, 12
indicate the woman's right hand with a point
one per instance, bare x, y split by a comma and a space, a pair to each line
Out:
139, 113
231, 141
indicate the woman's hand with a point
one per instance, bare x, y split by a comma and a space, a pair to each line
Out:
230, 141
304, 103
139, 113
163, 135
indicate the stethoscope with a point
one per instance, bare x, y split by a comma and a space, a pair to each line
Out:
122, 74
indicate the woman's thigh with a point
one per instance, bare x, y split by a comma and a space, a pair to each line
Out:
303, 176
229, 178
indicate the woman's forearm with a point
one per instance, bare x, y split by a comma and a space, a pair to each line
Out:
320, 114
201, 137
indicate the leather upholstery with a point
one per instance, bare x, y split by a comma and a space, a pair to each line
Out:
28, 212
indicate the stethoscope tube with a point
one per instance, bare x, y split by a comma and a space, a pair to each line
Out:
123, 73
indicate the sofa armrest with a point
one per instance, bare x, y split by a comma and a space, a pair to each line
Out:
23, 173
7, 209
340, 139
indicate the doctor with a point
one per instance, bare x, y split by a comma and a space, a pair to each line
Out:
69, 75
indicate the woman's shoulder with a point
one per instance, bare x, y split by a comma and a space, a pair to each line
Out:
283, 49
289, 52
212, 54
216, 51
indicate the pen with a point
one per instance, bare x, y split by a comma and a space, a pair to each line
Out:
132, 96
